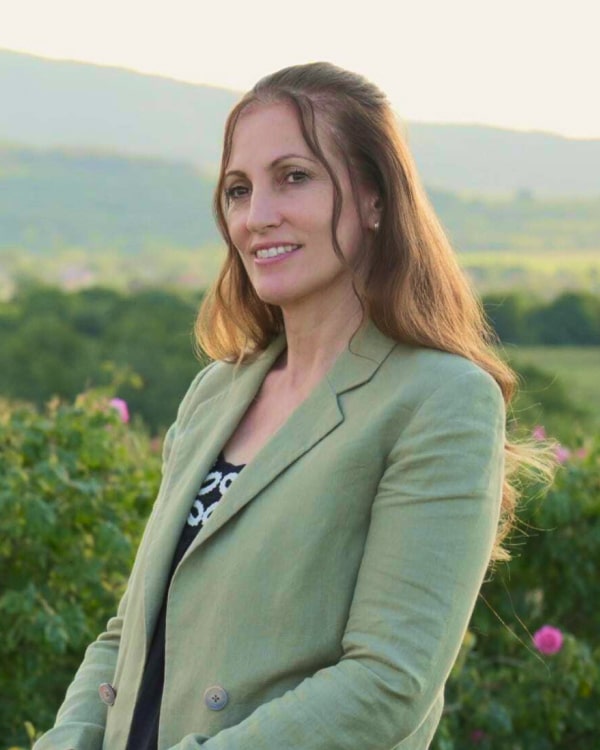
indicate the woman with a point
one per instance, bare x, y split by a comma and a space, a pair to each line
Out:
354, 415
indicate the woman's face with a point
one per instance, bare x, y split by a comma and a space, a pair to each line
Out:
278, 208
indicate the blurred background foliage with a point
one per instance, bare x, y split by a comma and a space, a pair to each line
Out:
56, 343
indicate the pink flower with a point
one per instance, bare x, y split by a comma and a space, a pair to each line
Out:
121, 407
581, 453
539, 433
562, 454
548, 640
477, 735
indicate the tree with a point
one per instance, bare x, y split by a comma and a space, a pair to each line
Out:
572, 318
508, 315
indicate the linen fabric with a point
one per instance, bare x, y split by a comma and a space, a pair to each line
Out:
329, 592
143, 734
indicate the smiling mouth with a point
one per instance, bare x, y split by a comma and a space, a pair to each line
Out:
272, 252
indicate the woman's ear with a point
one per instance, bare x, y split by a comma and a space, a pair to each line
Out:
374, 210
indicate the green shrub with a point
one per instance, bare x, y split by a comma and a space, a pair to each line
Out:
77, 486
504, 692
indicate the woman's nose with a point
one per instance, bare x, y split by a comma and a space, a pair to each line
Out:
263, 211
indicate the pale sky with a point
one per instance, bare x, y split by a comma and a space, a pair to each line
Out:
523, 64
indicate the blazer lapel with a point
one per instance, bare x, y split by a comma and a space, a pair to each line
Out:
195, 449
314, 418
318, 415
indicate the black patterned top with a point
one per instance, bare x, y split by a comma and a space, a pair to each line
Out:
143, 734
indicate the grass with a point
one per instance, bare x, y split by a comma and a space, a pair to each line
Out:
549, 261
577, 367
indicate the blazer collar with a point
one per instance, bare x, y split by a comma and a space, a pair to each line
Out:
361, 359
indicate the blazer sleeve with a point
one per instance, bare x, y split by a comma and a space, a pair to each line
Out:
432, 528
81, 719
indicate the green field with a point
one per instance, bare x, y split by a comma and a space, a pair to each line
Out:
576, 367
544, 274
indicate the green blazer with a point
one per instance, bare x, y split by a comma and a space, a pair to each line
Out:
323, 604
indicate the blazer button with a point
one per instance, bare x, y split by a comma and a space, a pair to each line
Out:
216, 698
107, 693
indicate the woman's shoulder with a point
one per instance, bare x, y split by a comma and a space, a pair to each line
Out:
208, 381
419, 372
432, 363
403, 364
220, 375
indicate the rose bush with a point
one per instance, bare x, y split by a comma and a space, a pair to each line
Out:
77, 486
528, 675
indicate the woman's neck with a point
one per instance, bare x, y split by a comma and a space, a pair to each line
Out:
315, 338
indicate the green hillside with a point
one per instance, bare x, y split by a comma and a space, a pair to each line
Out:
56, 199
53, 199
521, 222
484, 159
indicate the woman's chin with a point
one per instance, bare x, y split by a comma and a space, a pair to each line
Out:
279, 297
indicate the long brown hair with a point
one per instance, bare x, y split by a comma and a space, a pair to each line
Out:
411, 285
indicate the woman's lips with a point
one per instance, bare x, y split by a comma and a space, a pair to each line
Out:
275, 253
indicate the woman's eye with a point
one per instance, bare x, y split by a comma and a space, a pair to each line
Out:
235, 192
295, 176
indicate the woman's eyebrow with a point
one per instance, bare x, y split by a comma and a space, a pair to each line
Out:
285, 157
273, 164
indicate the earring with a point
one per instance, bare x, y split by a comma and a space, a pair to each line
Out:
376, 226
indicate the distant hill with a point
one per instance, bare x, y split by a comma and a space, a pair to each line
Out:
52, 200
482, 159
54, 103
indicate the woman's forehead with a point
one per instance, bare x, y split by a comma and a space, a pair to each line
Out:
268, 131
267, 127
